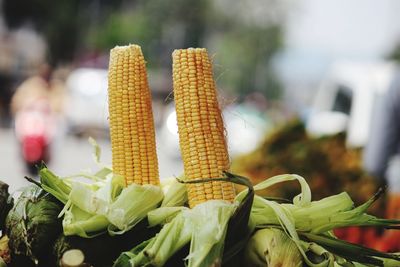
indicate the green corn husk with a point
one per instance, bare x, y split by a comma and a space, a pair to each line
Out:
309, 223
32, 224
206, 227
102, 204
313, 216
352, 252
124, 213
6, 203
273, 248
175, 194
285, 233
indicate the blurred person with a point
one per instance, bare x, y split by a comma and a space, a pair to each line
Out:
382, 157
39, 86
36, 107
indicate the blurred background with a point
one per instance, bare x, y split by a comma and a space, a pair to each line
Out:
302, 83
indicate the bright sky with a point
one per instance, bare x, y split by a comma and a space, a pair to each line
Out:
319, 32
361, 28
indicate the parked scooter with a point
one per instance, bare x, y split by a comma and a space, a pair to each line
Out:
34, 129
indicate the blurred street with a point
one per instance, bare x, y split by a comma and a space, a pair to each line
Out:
74, 155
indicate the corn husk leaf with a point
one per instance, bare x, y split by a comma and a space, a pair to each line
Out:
81, 223
132, 206
53, 184
102, 203
317, 218
272, 247
205, 227
209, 222
6, 203
134, 257
352, 252
163, 215
97, 150
172, 237
239, 227
175, 193
32, 224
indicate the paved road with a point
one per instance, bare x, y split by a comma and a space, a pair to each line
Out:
69, 155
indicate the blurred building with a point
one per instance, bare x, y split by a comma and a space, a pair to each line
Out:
320, 33
21, 52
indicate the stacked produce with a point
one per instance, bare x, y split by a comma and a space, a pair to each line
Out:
327, 164
123, 216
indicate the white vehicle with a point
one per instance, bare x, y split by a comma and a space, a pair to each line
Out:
348, 98
87, 108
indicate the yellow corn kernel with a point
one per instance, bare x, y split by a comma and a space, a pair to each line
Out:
200, 126
131, 117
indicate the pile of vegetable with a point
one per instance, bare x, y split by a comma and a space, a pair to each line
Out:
328, 165
124, 216
253, 231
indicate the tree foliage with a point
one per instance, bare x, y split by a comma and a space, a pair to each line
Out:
242, 41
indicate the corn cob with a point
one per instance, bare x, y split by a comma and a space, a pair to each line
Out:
200, 126
131, 118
